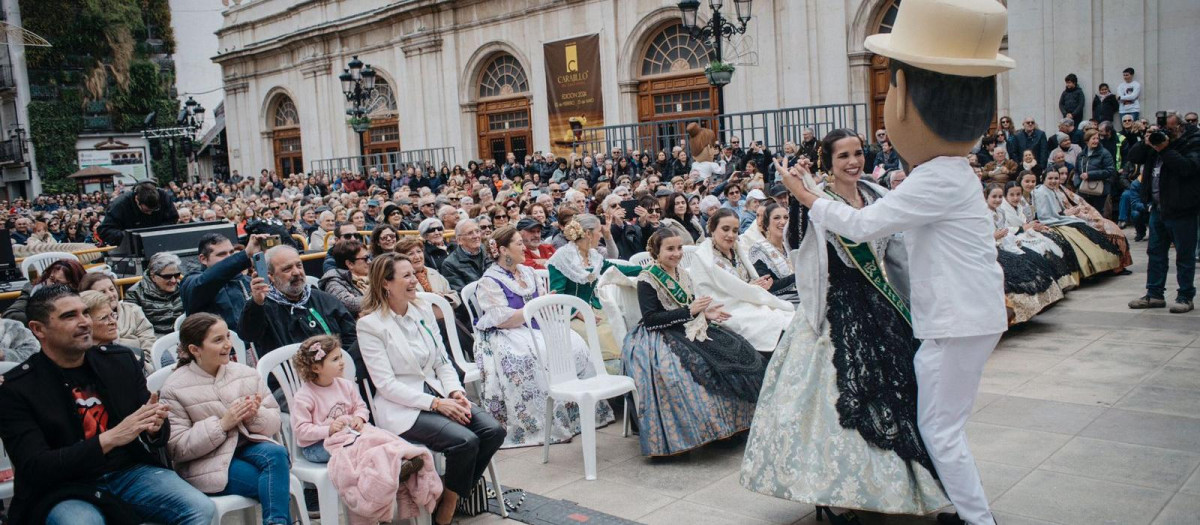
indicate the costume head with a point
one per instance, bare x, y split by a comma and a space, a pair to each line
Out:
944, 62
701, 142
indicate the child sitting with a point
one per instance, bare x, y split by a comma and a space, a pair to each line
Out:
329, 418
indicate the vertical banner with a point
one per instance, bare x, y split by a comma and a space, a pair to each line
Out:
573, 88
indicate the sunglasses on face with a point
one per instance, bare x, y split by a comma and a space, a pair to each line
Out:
169, 276
512, 206
363, 258
434, 229
499, 217
387, 238
348, 236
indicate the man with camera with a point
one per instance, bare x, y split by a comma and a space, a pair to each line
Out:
221, 287
1171, 187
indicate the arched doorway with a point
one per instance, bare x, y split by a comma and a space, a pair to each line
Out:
879, 79
285, 136
384, 134
503, 120
671, 83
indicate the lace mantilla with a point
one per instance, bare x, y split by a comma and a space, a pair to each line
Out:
569, 262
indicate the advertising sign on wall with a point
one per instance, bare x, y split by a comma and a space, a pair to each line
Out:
573, 88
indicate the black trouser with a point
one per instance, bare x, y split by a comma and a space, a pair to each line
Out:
468, 448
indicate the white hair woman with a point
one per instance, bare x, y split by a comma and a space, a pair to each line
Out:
158, 292
575, 269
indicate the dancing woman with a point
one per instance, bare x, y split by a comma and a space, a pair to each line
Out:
836, 423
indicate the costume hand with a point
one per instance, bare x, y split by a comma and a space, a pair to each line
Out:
258, 290
141, 420
764, 282
793, 180
700, 304
337, 426
715, 314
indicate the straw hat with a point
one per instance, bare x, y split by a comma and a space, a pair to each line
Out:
953, 37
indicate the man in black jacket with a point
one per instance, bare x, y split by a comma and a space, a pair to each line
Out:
1070, 102
84, 434
468, 260
220, 287
145, 206
1171, 186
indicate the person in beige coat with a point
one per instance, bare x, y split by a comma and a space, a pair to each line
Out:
222, 419
133, 329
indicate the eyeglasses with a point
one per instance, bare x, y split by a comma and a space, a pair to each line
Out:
110, 318
512, 206
655, 210
363, 258
1191, 121
387, 238
348, 236
434, 229
499, 217
169, 276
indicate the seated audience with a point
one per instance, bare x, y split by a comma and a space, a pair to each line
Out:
221, 286
769, 255
697, 381
436, 250
1030, 282
224, 421
158, 292
284, 310
17, 343
515, 383
348, 282
418, 395
467, 262
64, 271
536, 253
678, 216
383, 239
1092, 249
82, 431
104, 323
722, 269
133, 329
575, 269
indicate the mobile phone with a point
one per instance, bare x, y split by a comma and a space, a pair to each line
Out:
260, 265
271, 242
629, 206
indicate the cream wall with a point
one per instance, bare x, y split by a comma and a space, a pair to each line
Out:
809, 53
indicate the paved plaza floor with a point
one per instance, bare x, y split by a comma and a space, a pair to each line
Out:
1088, 414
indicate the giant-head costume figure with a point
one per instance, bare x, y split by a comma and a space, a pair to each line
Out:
944, 62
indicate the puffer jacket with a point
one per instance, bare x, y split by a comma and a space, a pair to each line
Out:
340, 284
160, 307
365, 470
17, 343
133, 329
199, 447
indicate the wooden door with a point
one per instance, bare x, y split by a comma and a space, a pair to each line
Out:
503, 128
289, 155
880, 81
665, 99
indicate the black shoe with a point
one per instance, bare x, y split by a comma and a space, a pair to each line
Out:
1121, 225
1125, 271
950, 518
845, 518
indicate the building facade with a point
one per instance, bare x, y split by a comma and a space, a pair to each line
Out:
17, 166
471, 74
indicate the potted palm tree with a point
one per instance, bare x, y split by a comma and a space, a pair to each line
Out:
719, 73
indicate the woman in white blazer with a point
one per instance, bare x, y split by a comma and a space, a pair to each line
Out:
418, 395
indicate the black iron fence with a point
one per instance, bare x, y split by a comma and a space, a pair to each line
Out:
6, 77
11, 151
773, 127
392, 161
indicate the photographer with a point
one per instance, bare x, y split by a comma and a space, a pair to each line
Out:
1171, 186
221, 287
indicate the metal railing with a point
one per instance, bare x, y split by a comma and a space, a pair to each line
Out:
97, 122
11, 151
392, 161
6, 77
773, 127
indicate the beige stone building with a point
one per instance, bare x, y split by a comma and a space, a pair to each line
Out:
470, 74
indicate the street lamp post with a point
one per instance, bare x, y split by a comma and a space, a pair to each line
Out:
712, 33
358, 84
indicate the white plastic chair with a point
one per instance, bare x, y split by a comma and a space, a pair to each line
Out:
311, 281
156, 380
471, 372
6, 488
167, 345
468, 298
543, 275
642, 259
40, 261
278, 363
689, 253
553, 314
179, 321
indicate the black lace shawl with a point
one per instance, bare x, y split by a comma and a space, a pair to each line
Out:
873, 356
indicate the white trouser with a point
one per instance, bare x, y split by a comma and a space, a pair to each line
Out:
948, 373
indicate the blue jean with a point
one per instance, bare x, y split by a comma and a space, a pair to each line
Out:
261, 471
315, 452
1131, 205
1180, 231
156, 494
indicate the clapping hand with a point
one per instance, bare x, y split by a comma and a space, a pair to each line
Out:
715, 314
700, 304
338, 425
160, 413
143, 419
237, 412
763, 282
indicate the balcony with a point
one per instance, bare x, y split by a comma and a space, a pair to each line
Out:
6, 78
97, 123
11, 151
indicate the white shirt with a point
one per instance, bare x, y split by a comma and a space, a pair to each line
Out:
1132, 92
957, 286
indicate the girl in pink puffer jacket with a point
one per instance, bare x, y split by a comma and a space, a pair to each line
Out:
371, 468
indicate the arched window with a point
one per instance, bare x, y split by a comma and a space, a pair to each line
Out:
889, 17
383, 101
673, 50
879, 79
502, 77
286, 115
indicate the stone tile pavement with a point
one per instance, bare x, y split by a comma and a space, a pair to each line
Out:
1088, 414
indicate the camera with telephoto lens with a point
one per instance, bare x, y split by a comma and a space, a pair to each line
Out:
1157, 138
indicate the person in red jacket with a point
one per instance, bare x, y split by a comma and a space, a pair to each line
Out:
536, 253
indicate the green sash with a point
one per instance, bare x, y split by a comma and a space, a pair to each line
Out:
673, 288
867, 262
